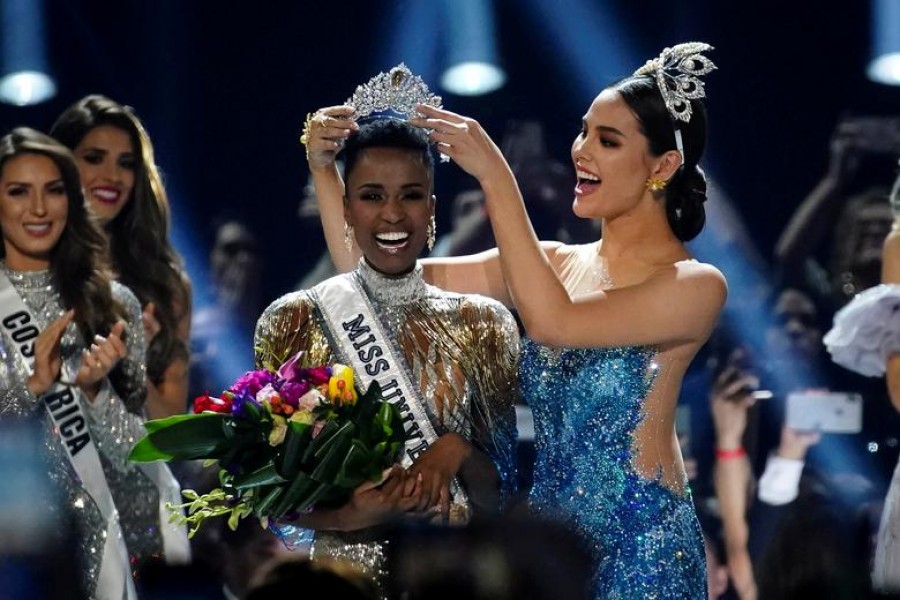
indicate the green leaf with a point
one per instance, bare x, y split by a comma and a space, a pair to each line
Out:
264, 507
354, 468
296, 494
182, 437
331, 455
317, 442
297, 438
265, 475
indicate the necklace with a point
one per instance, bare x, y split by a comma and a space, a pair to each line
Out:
600, 277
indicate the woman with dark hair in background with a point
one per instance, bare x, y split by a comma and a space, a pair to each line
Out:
125, 190
71, 354
613, 324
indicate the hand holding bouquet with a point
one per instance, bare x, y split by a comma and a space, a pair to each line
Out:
286, 439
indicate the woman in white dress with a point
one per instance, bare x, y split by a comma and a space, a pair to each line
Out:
866, 339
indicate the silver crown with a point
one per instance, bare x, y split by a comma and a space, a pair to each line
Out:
397, 90
677, 72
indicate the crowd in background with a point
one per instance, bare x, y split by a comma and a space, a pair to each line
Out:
786, 513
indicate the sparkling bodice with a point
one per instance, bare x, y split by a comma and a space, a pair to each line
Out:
587, 404
460, 350
113, 428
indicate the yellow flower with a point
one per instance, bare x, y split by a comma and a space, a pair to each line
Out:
279, 429
303, 416
340, 386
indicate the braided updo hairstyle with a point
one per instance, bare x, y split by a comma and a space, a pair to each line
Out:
686, 191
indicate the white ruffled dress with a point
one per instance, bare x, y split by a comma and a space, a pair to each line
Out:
866, 333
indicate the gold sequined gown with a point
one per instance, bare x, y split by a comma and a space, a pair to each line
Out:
462, 352
113, 428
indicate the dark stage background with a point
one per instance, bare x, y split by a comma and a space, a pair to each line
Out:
223, 88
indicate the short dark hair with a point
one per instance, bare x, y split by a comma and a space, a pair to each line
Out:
387, 133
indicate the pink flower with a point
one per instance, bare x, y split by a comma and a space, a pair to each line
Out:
289, 369
252, 381
318, 375
310, 400
267, 394
292, 391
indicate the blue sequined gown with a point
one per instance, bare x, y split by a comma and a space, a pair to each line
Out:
645, 538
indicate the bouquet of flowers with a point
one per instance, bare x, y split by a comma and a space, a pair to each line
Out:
286, 439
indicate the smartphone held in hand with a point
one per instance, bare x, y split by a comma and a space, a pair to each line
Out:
825, 411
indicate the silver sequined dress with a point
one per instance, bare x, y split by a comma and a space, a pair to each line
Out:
113, 428
462, 352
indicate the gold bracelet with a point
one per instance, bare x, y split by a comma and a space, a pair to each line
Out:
304, 136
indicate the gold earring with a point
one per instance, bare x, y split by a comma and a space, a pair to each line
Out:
431, 233
655, 185
348, 236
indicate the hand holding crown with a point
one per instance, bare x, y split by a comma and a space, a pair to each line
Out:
324, 133
463, 140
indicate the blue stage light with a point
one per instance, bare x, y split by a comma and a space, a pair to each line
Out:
22, 88
885, 65
473, 78
472, 65
24, 75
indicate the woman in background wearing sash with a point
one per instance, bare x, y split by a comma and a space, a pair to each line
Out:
123, 185
458, 352
92, 339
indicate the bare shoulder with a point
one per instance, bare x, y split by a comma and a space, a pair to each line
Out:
890, 267
705, 276
692, 281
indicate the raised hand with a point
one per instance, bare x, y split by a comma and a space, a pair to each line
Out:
794, 443
324, 134
103, 355
463, 140
47, 360
731, 397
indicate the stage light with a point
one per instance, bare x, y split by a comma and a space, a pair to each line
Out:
26, 87
24, 77
473, 78
885, 65
472, 66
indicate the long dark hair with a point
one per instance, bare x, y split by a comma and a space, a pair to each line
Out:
140, 250
686, 192
77, 263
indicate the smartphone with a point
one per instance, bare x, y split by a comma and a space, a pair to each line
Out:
828, 412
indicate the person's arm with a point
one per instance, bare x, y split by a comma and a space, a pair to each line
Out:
635, 315
170, 396
815, 217
372, 503
890, 273
475, 274
730, 399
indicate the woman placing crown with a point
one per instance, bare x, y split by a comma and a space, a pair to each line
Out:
613, 325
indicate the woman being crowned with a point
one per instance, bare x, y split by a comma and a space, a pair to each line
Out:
446, 360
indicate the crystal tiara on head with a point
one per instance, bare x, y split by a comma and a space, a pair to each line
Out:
677, 71
398, 90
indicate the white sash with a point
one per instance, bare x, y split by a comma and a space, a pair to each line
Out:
355, 330
114, 581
